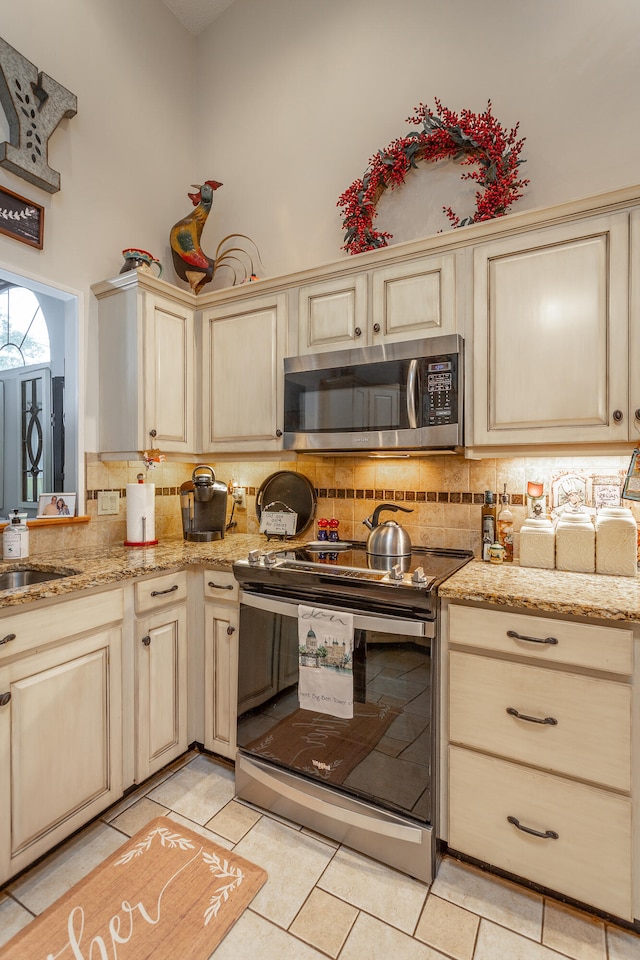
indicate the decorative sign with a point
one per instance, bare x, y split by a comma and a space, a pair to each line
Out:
631, 490
21, 219
34, 104
276, 523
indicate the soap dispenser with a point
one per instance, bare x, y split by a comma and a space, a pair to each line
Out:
15, 538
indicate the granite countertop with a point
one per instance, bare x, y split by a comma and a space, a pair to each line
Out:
110, 565
577, 594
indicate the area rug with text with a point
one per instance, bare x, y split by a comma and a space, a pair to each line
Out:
167, 893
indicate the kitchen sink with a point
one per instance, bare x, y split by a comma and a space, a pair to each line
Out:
12, 579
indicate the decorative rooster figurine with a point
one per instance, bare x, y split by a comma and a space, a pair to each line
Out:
190, 262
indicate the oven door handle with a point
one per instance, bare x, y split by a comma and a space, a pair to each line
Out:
412, 384
361, 619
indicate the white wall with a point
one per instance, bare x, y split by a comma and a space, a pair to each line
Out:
126, 159
295, 96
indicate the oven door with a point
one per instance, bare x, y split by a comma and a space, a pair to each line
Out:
380, 761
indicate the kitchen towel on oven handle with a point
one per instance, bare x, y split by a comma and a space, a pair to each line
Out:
325, 644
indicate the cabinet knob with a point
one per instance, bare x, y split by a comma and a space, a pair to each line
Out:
376, 328
146, 641
153, 433
230, 630
637, 413
618, 416
9, 636
4, 699
358, 332
278, 433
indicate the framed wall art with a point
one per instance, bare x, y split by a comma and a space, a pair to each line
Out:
21, 218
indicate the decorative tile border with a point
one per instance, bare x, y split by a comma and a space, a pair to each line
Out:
368, 493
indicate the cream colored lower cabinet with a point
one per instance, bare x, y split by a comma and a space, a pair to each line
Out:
564, 835
161, 674
541, 771
220, 662
60, 723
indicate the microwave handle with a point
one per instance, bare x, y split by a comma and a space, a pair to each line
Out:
412, 390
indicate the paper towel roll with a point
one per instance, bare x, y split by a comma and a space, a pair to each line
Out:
141, 507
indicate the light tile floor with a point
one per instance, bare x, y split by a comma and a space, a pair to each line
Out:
321, 899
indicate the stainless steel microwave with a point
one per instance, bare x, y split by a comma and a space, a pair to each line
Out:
396, 396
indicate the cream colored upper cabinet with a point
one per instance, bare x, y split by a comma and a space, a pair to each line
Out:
409, 300
414, 299
550, 340
634, 330
242, 356
146, 358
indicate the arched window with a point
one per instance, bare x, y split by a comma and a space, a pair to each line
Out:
24, 337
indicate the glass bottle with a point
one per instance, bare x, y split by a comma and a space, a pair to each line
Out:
488, 523
505, 527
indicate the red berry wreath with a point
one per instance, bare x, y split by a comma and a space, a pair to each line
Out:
474, 139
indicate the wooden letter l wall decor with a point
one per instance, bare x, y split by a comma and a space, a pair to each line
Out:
34, 104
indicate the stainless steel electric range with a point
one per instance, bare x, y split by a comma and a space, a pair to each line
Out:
338, 697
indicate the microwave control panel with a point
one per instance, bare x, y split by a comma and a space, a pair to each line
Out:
440, 390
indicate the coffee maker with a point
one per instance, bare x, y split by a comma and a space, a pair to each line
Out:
203, 504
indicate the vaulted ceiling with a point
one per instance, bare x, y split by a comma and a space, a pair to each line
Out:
197, 14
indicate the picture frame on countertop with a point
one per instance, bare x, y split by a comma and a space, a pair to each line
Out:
53, 506
21, 219
631, 487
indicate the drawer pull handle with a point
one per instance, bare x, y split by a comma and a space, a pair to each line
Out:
4, 699
220, 586
230, 631
547, 835
146, 641
161, 593
9, 636
522, 716
519, 636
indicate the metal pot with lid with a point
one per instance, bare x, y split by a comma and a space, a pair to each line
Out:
387, 539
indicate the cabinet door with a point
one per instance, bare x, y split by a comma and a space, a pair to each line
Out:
60, 744
161, 686
221, 678
415, 299
550, 335
168, 375
333, 314
243, 349
634, 327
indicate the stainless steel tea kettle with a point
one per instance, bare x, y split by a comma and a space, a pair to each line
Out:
387, 539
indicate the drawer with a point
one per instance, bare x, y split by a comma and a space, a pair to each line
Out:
40, 626
220, 585
591, 858
154, 593
590, 740
583, 645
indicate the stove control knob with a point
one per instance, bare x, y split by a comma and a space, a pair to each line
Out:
419, 576
254, 556
270, 559
396, 572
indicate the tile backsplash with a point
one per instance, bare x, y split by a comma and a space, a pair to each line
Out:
444, 493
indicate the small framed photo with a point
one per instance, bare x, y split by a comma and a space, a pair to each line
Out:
56, 505
21, 218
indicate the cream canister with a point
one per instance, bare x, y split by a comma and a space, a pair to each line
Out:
575, 542
616, 542
538, 543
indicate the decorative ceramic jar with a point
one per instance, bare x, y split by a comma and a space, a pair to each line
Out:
139, 259
538, 543
575, 542
616, 542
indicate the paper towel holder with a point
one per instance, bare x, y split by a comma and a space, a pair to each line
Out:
146, 522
